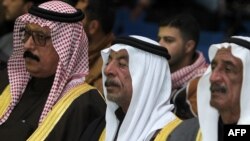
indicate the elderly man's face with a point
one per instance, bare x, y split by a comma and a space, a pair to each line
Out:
41, 58
119, 82
226, 81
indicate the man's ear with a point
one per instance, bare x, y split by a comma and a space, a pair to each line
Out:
190, 46
93, 26
27, 6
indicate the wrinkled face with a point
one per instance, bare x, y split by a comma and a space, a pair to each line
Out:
41, 58
119, 82
226, 81
170, 38
13, 8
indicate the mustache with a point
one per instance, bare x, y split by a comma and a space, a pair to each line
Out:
31, 55
218, 88
111, 82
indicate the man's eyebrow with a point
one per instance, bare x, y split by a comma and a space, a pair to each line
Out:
118, 56
229, 63
226, 62
122, 57
168, 37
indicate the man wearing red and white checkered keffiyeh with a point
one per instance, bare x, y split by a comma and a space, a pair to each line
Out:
180, 35
47, 97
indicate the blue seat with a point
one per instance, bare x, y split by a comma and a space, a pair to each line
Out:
207, 38
124, 25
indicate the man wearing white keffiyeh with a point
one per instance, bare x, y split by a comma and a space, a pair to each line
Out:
47, 98
137, 87
223, 90
222, 94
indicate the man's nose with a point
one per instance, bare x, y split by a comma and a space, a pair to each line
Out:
29, 43
110, 69
161, 41
215, 76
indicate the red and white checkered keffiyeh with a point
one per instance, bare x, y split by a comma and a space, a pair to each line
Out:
182, 76
69, 41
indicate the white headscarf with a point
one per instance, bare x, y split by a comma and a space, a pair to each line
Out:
150, 107
70, 43
209, 116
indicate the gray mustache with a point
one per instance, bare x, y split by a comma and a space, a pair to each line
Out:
111, 82
218, 88
31, 55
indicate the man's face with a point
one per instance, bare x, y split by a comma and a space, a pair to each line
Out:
119, 82
41, 59
226, 81
13, 8
170, 38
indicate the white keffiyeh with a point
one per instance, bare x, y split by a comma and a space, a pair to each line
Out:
150, 107
208, 116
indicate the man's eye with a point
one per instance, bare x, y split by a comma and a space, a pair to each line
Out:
212, 66
158, 39
27, 32
109, 60
123, 65
228, 69
40, 36
168, 40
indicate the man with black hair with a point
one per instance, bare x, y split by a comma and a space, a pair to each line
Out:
180, 35
98, 24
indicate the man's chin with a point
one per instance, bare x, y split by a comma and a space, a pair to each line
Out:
111, 89
27, 60
217, 103
111, 97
